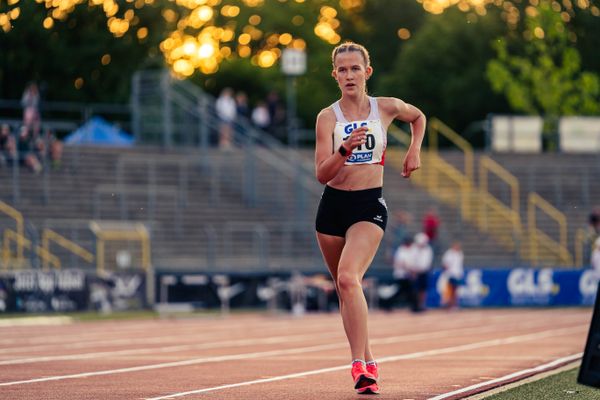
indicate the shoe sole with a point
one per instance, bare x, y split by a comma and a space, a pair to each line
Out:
367, 390
363, 381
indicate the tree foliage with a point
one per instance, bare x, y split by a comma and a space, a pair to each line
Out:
543, 75
457, 62
441, 69
79, 47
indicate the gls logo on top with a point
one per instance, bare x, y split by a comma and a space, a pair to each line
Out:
357, 156
527, 286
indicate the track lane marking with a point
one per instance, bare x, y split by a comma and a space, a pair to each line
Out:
233, 357
209, 336
241, 342
512, 376
420, 354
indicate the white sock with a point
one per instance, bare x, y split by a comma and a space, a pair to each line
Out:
359, 360
372, 362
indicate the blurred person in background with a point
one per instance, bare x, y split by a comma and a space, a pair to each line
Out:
277, 116
30, 101
226, 111
452, 263
260, 116
594, 223
48, 147
241, 105
351, 137
431, 225
26, 151
419, 265
401, 274
595, 259
8, 150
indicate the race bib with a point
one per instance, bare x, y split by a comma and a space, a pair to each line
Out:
371, 152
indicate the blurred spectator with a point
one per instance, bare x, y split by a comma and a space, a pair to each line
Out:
48, 147
298, 292
276, 115
431, 224
421, 259
452, 263
7, 145
30, 101
241, 105
401, 273
592, 231
226, 110
324, 288
26, 151
260, 116
596, 257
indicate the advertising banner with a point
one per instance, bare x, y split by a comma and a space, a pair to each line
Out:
519, 287
66, 290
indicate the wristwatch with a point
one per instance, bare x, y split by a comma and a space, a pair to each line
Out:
343, 151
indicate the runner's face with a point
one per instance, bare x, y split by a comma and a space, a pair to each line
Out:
351, 73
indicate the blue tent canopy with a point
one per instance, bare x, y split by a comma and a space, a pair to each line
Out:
98, 131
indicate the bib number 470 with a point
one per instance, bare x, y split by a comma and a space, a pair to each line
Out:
369, 144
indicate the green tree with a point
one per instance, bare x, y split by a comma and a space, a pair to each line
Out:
78, 59
441, 69
544, 76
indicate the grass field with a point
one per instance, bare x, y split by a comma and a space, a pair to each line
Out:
555, 387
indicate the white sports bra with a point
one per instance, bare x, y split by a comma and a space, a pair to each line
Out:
373, 151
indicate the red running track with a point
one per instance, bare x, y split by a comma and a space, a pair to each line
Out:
436, 355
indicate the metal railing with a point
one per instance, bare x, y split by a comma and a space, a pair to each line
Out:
49, 236
490, 207
437, 128
173, 112
14, 214
452, 186
538, 238
10, 235
119, 231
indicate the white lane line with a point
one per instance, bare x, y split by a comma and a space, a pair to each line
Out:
35, 321
101, 330
510, 377
233, 357
95, 331
241, 342
420, 354
91, 331
169, 349
182, 336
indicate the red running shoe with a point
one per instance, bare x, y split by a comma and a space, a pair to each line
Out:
373, 369
361, 377
371, 389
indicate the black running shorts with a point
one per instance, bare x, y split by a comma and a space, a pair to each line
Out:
340, 209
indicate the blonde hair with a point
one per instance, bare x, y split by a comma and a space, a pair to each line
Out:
350, 46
